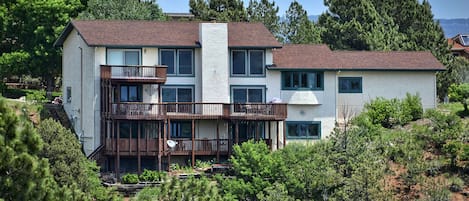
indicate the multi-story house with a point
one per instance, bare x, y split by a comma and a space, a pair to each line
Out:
132, 86
460, 45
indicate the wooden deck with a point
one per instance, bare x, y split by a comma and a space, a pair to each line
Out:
134, 74
159, 111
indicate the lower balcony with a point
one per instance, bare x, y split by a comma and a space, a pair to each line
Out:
155, 111
151, 147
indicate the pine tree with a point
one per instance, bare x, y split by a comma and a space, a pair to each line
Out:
219, 10
297, 28
266, 12
122, 10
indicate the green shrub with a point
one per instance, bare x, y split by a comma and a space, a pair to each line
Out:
413, 105
460, 93
443, 127
456, 184
453, 149
130, 178
36, 96
202, 164
152, 176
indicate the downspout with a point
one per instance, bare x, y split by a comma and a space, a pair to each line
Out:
81, 98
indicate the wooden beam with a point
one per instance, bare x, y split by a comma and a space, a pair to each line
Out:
218, 142
168, 137
139, 159
278, 134
159, 144
284, 134
193, 143
236, 132
118, 153
270, 135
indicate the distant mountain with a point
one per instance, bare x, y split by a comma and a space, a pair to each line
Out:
451, 27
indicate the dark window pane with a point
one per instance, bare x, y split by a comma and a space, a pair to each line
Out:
312, 81
184, 95
124, 94
296, 80
287, 80
186, 129
255, 96
303, 130
303, 80
292, 130
256, 62
133, 93
313, 130
185, 62
239, 62
350, 85
124, 130
131, 58
168, 94
239, 95
167, 58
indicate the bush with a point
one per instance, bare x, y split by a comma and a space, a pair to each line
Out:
36, 96
460, 93
393, 112
152, 176
130, 179
413, 105
456, 184
443, 127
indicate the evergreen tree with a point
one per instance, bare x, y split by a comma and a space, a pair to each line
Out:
122, 10
266, 12
356, 24
23, 174
68, 164
297, 28
219, 10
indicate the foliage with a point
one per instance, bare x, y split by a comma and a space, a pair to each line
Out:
393, 112
219, 10
37, 96
456, 184
442, 127
152, 176
202, 164
460, 93
130, 178
68, 163
28, 34
277, 192
24, 175
122, 10
453, 148
266, 12
297, 28
190, 189
435, 190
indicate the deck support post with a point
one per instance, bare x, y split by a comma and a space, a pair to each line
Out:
139, 157
193, 143
218, 142
270, 135
159, 144
118, 152
284, 132
278, 135
236, 132
168, 135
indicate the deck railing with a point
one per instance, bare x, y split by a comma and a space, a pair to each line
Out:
156, 73
198, 110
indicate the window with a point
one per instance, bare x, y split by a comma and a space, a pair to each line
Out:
129, 129
178, 94
69, 94
179, 61
350, 85
130, 93
303, 130
123, 57
247, 62
293, 80
181, 129
247, 94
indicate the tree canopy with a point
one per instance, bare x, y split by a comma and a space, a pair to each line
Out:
266, 12
296, 28
122, 10
219, 10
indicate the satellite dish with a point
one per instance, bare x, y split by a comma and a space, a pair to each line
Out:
171, 143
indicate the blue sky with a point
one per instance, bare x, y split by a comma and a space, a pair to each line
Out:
442, 9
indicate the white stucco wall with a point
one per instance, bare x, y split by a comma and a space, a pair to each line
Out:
387, 84
214, 57
79, 67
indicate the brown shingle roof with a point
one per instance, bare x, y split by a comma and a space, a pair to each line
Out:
388, 60
243, 34
321, 57
157, 33
304, 56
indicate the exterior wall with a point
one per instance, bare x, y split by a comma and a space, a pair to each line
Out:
310, 106
214, 60
387, 84
83, 110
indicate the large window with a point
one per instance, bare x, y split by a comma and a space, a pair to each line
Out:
297, 80
181, 129
129, 129
350, 85
177, 94
130, 93
242, 94
179, 61
303, 130
123, 57
247, 62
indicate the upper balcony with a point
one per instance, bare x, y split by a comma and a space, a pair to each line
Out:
156, 111
135, 74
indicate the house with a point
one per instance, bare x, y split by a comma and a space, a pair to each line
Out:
460, 45
145, 94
